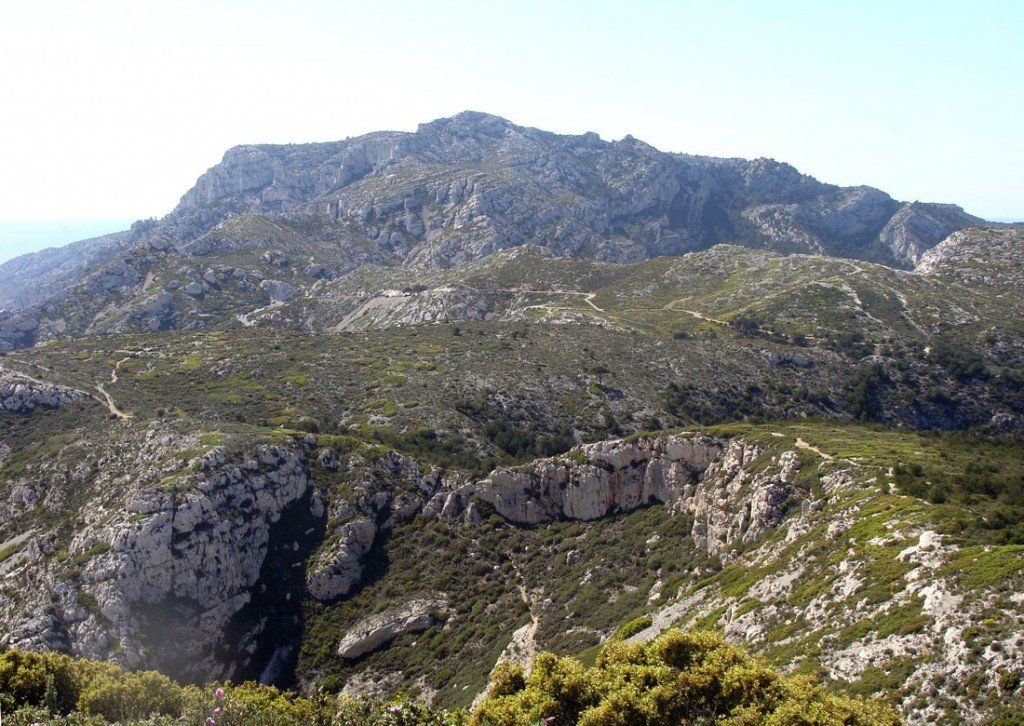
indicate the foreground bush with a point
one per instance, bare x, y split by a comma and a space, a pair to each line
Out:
679, 678
54, 689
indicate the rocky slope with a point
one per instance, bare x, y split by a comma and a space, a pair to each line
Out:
468, 185
324, 558
990, 257
375, 415
32, 278
270, 221
172, 538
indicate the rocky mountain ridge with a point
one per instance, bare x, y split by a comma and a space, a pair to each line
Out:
454, 191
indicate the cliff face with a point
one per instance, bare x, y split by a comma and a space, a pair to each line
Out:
463, 187
188, 553
709, 479
156, 576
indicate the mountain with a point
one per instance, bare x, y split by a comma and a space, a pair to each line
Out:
398, 413
29, 279
455, 191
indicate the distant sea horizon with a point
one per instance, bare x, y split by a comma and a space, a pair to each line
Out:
21, 236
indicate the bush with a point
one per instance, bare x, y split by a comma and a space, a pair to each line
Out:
37, 688
864, 394
680, 677
25, 678
962, 363
633, 627
119, 696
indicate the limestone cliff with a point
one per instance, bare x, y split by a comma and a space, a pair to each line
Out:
722, 484
165, 569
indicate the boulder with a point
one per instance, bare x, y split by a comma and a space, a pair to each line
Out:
279, 291
371, 633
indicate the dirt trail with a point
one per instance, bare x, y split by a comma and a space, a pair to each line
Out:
102, 395
107, 401
801, 444
523, 648
697, 314
113, 371
588, 297
247, 319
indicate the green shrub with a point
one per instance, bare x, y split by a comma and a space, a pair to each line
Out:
54, 689
680, 677
27, 677
633, 627
120, 696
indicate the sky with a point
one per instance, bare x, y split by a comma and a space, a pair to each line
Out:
112, 109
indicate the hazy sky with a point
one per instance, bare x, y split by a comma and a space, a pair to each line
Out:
112, 109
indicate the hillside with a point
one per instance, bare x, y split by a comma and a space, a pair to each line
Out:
397, 414
207, 492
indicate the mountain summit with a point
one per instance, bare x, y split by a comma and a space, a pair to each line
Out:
460, 188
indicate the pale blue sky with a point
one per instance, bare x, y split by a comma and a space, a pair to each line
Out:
112, 108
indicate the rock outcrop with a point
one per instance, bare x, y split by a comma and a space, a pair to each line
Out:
389, 490
279, 291
161, 579
18, 329
377, 630
21, 395
340, 566
713, 480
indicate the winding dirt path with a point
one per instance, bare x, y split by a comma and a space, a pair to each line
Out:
113, 371
101, 395
107, 401
588, 297
801, 444
247, 319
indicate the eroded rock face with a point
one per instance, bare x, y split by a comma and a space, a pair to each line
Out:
711, 479
165, 574
279, 291
340, 568
21, 395
373, 632
392, 489
18, 329
917, 227
598, 479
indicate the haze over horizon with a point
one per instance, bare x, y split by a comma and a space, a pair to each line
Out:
128, 138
